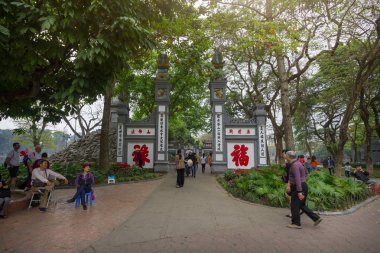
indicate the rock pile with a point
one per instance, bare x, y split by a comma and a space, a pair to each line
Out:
85, 149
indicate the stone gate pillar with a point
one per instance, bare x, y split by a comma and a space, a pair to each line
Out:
119, 116
217, 87
162, 94
261, 117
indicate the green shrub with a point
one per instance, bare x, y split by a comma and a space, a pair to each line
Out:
265, 186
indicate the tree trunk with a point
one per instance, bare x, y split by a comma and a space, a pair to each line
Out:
285, 104
279, 147
104, 134
377, 118
365, 116
307, 136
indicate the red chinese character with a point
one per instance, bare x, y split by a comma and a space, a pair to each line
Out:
140, 131
239, 131
231, 131
148, 132
248, 131
240, 155
133, 131
140, 155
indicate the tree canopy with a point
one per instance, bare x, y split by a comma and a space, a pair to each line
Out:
58, 52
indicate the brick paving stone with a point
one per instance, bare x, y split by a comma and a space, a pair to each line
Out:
66, 229
201, 217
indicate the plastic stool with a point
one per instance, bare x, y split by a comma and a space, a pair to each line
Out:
88, 196
111, 180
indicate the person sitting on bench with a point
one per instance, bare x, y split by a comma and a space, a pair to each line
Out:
41, 183
362, 175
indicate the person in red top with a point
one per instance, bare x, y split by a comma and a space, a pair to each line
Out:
314, 163
297, 188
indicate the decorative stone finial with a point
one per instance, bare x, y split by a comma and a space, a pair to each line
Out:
217, 60
163, 66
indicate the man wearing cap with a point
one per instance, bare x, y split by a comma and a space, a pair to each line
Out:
297, 188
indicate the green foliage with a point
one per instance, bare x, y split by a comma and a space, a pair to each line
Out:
189, 56
59, 52
131, 173
264, 186
70, 171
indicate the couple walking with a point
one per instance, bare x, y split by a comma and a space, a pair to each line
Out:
297, 189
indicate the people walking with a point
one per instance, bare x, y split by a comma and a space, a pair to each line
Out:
209, 161
203, 162
180, 167
298, 190
331, 165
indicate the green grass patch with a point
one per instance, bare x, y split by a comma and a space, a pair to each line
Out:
123, 173
264, 186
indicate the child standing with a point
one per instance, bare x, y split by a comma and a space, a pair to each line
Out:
314, 163
347, 169
308, 165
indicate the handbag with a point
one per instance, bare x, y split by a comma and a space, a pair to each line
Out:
284, 178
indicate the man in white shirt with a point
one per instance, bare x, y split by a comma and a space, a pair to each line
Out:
13, 163
41, 183
37, 152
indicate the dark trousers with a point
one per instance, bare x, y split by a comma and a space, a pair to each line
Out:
331, 170
297, 205
81, 192
203, 167
347, 173
180, 177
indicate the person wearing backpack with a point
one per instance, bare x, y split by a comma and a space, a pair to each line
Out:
12, 162
180, 167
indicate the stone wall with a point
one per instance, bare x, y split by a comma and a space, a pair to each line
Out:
85, 149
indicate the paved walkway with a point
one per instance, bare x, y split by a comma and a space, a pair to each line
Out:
157, 217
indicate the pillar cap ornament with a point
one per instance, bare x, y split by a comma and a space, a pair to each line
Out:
163, 66
217, 60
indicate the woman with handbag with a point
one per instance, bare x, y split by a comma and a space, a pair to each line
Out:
180, 167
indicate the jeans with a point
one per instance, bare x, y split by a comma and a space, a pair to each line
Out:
81, 191
180, 177
193, 170
331, 170
347, 173
297, 204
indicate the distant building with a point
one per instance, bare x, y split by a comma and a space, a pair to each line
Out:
375, 149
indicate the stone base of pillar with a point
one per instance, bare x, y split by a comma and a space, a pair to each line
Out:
161, 166
219, 168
